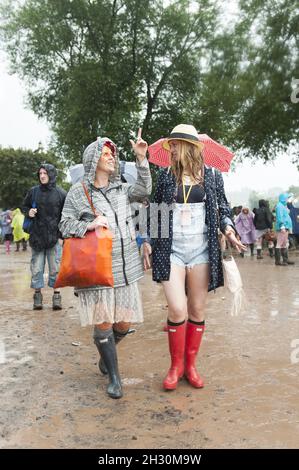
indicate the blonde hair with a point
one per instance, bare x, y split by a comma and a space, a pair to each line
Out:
189, 161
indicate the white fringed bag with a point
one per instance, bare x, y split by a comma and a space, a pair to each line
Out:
232, 277
233, 282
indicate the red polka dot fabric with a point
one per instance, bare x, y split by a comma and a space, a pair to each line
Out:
214, 154
158, 155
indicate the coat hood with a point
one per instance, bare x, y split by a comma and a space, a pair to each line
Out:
263, 203
52, 173
283, 198
6, 213
91, 157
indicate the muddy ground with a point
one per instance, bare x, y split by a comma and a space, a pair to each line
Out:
52, 395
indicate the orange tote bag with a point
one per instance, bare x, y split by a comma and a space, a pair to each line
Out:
87, 261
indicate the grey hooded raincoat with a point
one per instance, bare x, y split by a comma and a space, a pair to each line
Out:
114, 203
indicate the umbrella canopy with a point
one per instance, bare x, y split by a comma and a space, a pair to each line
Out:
76, 173
158, 155
127, 169
214, 154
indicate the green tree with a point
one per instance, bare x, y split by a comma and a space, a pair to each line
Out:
268, 117
18, 169
294, 190
103, 67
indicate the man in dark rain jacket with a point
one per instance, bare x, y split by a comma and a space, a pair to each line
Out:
43, 204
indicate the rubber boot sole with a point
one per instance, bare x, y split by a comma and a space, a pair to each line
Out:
194, 384
56, 307
173, 386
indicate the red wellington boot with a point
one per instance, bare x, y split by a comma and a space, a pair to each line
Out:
194, 335
176, 341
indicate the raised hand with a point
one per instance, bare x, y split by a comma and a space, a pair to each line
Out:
140, 146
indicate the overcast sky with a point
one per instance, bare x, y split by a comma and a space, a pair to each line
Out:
19, 127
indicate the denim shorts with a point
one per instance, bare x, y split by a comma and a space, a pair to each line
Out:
190, 238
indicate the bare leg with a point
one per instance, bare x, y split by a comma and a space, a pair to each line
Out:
174, 290
197, 287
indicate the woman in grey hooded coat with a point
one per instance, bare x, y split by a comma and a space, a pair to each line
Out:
110, 310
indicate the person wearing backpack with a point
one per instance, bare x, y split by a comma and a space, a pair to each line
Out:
44, 204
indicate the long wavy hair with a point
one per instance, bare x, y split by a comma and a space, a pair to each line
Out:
189, 161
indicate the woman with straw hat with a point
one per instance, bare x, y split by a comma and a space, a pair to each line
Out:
188, 255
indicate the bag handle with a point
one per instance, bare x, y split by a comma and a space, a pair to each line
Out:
89, 200
34, 197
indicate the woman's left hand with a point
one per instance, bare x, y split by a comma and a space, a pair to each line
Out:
231, 237
140, 146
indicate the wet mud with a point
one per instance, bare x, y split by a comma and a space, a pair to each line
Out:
53, 396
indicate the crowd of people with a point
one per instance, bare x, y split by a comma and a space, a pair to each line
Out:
187, 261
11, 229
278, 229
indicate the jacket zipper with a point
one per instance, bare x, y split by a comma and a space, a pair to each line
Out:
121, 239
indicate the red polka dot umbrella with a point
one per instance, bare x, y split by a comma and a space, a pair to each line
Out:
214, 154
158, 155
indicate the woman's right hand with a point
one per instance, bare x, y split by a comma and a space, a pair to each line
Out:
147, 251
99, 221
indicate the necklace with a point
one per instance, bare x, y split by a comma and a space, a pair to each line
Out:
184, 191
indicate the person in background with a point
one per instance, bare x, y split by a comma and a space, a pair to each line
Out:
235, 211
263, 222
294, 214
43, 204
283, 226
245, 228
6, 219
19, 236
140, 220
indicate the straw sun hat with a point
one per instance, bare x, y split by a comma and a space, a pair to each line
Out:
184, 132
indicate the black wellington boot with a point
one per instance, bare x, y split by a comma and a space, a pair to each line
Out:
56, 301
277, 257
271, 252
118, 336
285, 256
259, 254
104, 341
